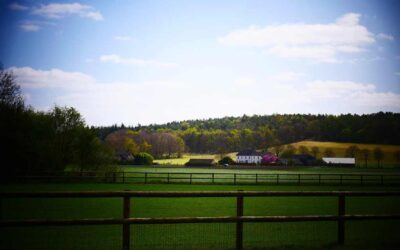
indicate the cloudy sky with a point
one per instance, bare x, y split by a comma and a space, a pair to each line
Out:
157, 61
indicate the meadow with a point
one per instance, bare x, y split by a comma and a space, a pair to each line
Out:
301, 235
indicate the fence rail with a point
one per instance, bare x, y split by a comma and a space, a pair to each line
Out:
217, 178
239, 219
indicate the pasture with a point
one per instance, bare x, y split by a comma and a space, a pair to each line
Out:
303, 235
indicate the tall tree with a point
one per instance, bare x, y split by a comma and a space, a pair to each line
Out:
365, 154
378, 155
315, 151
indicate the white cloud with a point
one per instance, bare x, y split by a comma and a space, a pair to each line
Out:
60, 10
285, 76
116, 59
123, 38
30, 27
318, 42
18, 7
55, 78
103, 103
384, 36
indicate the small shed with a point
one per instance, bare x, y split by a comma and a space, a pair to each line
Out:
339, 162
200, 162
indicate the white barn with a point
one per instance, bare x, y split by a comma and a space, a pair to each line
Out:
249, 157
337, 161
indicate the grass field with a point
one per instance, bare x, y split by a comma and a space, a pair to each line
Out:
185, 158
306, 235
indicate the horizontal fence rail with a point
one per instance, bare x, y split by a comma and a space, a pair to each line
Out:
239, 219
215, 178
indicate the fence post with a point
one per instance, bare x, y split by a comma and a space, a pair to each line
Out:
190, 178
145, 178
239, 224
341, 213
126, 227
234, 179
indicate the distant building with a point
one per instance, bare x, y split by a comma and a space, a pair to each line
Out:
249, 157
299, 160
200, 162
340, 162
269, 158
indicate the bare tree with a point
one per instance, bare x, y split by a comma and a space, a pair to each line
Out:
378, 155
365, 153
352, 151
10, 91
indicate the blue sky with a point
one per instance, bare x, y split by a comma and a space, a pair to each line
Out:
157, 61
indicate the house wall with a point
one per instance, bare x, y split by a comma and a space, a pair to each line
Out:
252, 159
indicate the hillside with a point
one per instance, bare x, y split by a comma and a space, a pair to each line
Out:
339, 150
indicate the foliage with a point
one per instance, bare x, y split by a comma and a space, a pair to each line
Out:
226, 160
143, 159
44, 141
232, 134
329, 152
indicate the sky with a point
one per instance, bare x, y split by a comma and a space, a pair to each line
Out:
142, 62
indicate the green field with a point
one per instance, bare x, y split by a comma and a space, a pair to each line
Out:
307, 235
262, 175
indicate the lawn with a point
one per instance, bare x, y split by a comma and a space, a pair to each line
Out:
359, 235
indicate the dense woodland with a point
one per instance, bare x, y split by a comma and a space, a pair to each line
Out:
230, 134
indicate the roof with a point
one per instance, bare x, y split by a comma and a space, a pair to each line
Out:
338, 160
201, 161
250, 152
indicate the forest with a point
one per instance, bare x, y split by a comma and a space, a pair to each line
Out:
230, 134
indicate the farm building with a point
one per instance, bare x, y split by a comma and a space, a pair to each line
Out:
249, 157
336, 161
200, 162
299, 160
269, 158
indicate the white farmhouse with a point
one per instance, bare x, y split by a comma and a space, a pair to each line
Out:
249, 157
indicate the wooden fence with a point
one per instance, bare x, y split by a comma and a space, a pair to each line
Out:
217, 178
341, 217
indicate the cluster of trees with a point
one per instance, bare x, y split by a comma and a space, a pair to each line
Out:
160, 144
261, 132
44, 141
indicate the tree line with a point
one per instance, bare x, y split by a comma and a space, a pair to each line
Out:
35, 141
230, 134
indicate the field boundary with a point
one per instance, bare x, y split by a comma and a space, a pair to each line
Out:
152, 177
341, 217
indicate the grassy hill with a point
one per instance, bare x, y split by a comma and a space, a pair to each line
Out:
339, 150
